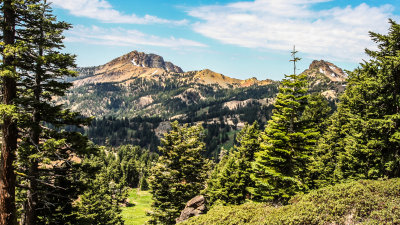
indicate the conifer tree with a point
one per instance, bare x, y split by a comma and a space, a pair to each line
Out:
279, 168
365, 136
324, 168
316, 119
46, 154
214, 189
180, 173
10, 47
230, 181
99, 204
316, 112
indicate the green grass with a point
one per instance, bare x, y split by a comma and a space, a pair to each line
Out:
229, 144
136, 214
202, 111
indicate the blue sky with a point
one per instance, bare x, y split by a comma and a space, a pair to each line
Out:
241, 39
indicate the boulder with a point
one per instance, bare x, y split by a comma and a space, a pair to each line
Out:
194, 207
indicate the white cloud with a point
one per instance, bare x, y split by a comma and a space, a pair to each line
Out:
103, 11
335, 33
124, 37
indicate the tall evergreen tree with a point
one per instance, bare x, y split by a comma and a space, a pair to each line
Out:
180, 173
279, 168
48, 154
316, 120
10, 47
366, 131
230, 181
316, 112
100, 202
324, 168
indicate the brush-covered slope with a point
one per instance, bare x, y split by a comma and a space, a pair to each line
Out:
360, 202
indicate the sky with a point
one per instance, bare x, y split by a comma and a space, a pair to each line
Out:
238, 38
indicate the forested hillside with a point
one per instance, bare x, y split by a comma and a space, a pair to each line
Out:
138, 108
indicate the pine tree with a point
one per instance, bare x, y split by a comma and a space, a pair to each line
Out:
230, 181
10, 48
214, 184
279, 168
180, 173
99, 204
324, 168
316, 120
316, 112
47, 150
107, 182
366, 131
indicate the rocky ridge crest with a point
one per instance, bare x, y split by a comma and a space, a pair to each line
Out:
142, 59
125, 69
328, 69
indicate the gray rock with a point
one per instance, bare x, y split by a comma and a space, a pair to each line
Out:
194, 207
151, 61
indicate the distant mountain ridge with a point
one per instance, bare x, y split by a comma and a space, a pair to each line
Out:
135, 96
136, 64
137, 83
327, 78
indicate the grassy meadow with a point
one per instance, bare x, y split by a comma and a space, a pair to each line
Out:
140, 203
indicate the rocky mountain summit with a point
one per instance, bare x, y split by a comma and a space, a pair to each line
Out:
125, 69
328, 69
327, 78
129, 67
142, 59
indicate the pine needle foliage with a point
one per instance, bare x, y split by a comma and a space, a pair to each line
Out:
230, 181
100, 203
180, 173
364, 140
49, 150
280, 167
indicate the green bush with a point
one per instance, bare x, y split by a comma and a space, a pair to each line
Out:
360, 202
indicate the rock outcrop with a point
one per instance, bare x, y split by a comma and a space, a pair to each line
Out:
196, 206
142, 59
328, 69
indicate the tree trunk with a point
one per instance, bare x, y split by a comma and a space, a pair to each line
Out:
35, 138
30, 216
10, 132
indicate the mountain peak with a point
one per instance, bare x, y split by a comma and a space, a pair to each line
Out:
142, 59
328, 69
208, 76
126, 68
